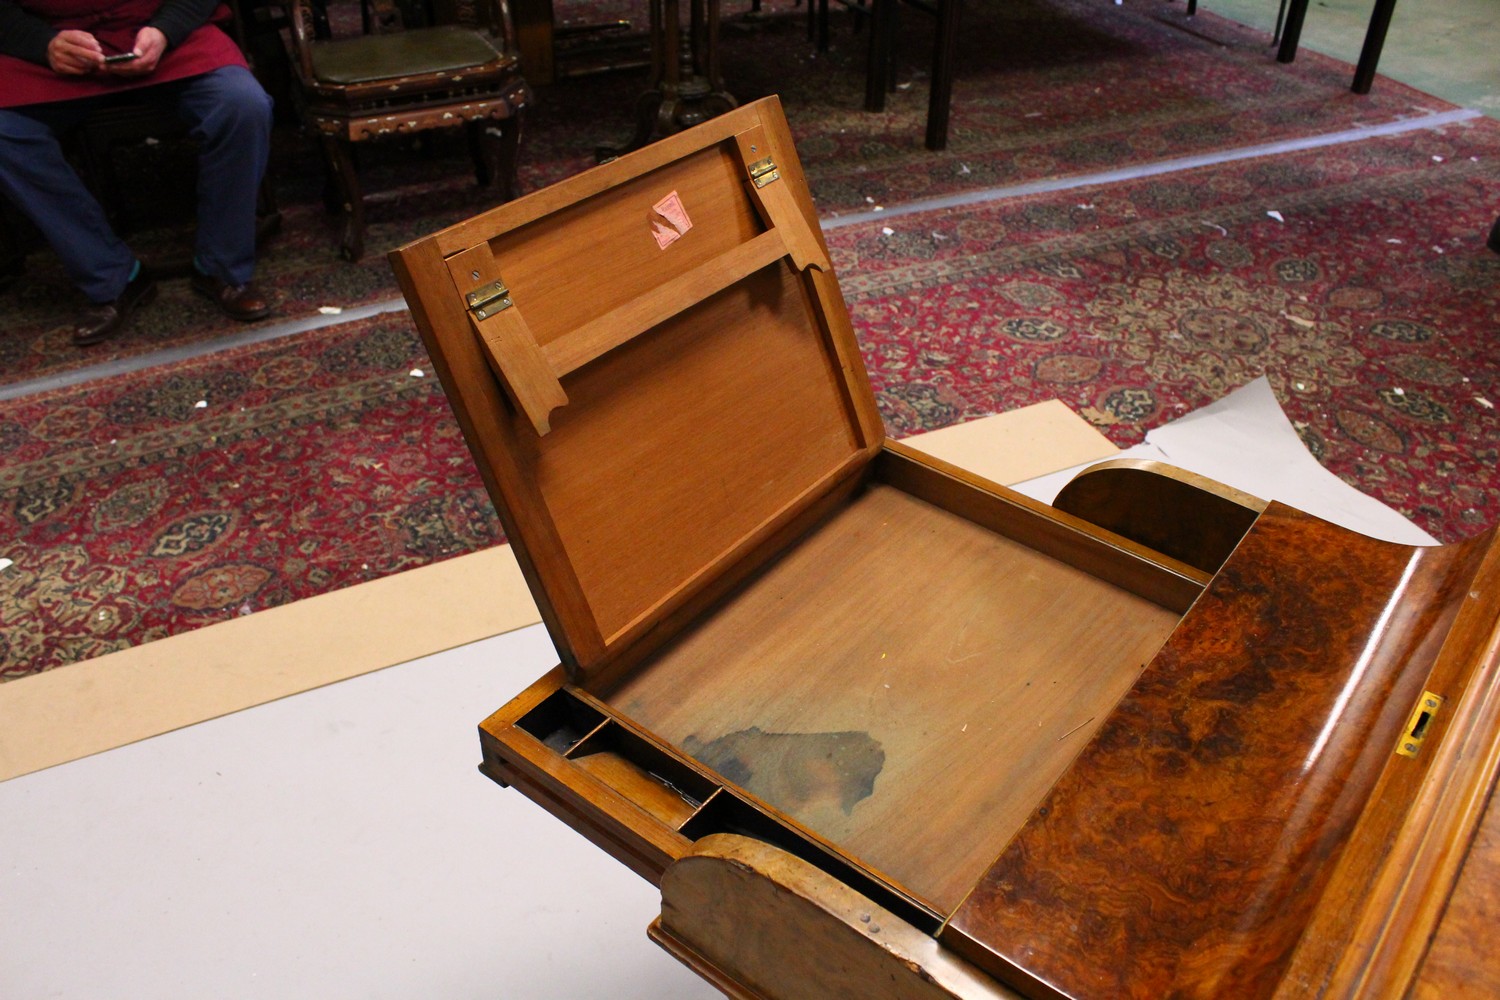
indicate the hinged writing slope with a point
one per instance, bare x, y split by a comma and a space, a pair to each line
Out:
667, 383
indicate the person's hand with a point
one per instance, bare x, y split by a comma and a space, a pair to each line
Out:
150, 43
75, 53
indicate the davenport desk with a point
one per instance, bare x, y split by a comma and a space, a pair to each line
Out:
879, 728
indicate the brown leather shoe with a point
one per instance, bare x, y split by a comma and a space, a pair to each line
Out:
100, 321
242, 302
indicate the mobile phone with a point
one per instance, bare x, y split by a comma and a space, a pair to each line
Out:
122, 57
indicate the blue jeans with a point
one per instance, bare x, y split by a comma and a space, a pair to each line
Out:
230, 116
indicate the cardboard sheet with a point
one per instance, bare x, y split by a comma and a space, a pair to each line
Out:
1019, 444
137, 693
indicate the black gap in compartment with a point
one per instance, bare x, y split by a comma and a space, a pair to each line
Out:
728, 813
560, 721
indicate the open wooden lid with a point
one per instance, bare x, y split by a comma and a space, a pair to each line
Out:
654, 368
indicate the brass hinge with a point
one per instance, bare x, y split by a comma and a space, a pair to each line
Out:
1418, 725
763, 172
486, 300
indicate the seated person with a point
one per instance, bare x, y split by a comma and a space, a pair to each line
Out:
60, 60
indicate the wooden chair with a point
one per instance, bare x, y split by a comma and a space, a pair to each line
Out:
460, 71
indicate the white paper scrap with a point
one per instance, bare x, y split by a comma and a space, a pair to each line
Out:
6, 564
416, 373
1275, 215
888, 231
330, 310
202, 404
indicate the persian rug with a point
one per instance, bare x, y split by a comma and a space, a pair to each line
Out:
1356, 279
147, 505
1045, 88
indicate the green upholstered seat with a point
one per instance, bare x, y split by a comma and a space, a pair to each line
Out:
443, 49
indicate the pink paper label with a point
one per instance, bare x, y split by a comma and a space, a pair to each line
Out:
669, 220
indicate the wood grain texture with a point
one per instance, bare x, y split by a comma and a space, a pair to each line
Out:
1112, 558
700, 420
1407, 854
1183, 853
757, 922
1178, 513
514, 355
491, 430
971, 666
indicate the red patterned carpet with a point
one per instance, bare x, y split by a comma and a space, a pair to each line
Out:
142, 506
1045, 88
148, 505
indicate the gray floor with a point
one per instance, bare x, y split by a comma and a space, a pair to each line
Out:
1447, 48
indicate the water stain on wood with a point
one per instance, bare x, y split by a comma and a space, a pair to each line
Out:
796, 772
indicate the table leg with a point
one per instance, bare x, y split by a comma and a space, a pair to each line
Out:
1291, 32
882, 40
678, 97
1369, 55
940, 98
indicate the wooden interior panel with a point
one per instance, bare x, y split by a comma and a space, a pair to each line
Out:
585, 260
677, 445
902, 674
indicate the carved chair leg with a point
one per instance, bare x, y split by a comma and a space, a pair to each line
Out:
341, 169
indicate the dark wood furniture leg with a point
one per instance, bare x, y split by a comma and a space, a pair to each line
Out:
534, 38
878, 66
678, 97
1369, 55
941, 96
1291, 32
345, 178
1494, 240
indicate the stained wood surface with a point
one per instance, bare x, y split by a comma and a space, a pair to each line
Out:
1175, 512
757, 922
1394, 879
1185, 850
659, 415
905, 683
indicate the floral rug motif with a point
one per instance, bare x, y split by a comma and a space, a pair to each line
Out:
1357, 279
149, 505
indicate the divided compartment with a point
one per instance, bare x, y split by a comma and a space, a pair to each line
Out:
561, 721
728, 813
684, 799
645, 774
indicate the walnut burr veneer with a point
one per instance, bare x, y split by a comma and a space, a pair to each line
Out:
880, 728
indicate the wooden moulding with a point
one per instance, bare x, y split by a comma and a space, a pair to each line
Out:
1412, 849
1188, 849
